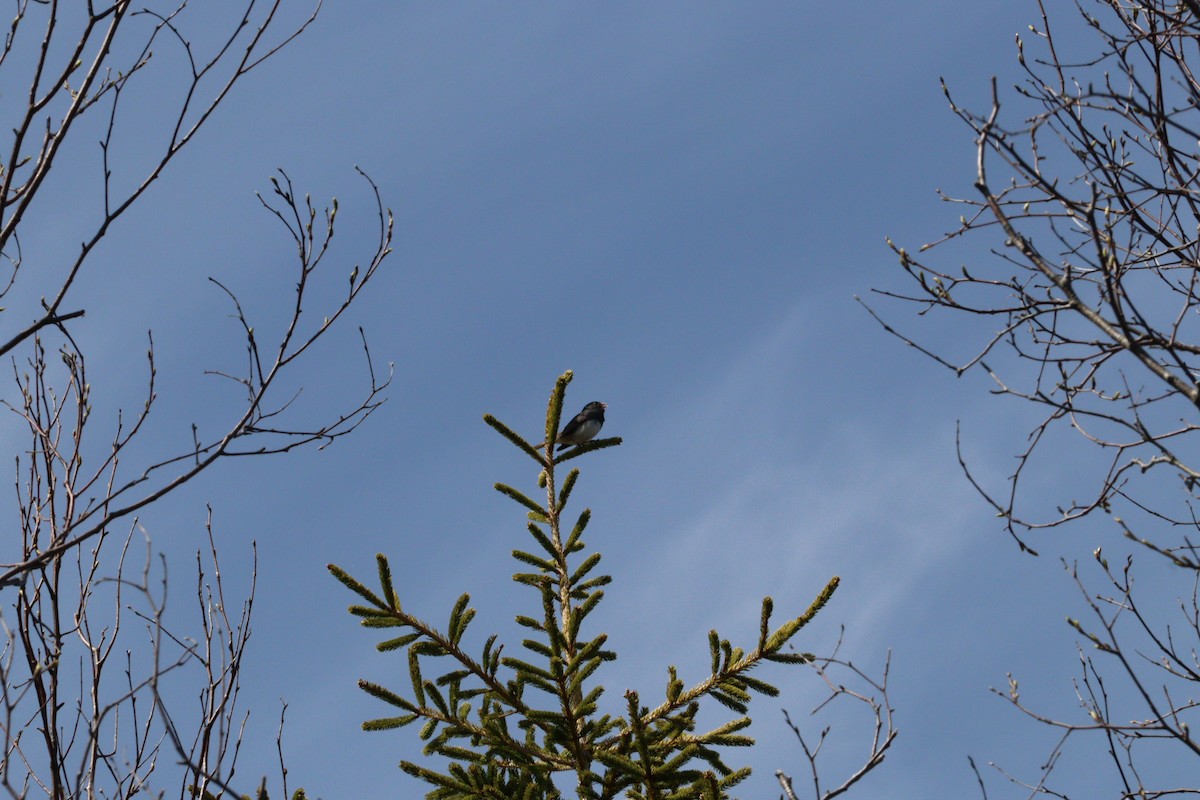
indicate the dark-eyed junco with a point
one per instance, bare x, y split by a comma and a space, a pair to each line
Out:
583, 426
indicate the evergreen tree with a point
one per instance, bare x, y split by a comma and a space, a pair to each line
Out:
509, 726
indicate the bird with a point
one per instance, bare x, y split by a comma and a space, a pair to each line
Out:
583, 426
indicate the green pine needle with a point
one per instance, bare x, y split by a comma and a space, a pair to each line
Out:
355, 586
509, 491
513, 436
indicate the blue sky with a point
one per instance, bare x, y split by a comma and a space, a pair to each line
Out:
679, 202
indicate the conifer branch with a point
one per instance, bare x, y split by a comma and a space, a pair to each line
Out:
724, 679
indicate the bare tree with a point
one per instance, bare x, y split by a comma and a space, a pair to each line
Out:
1088, 194
87, 648
847, 683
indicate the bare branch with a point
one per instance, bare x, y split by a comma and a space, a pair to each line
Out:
874, 697
1087, 177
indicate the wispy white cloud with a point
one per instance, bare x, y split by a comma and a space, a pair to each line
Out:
788, 504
